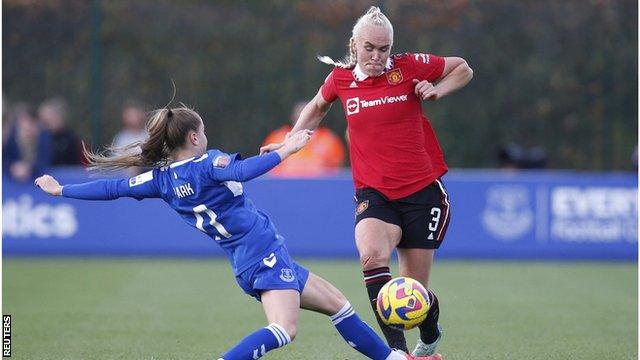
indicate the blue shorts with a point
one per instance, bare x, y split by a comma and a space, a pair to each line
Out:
275, 272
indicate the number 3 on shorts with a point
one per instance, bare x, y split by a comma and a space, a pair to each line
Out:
435, 219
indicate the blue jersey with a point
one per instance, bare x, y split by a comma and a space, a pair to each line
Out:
207, 193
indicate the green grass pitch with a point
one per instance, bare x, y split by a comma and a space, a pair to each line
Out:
192, 309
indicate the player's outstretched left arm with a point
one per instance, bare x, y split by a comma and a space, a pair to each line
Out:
456, 74
49, 184
140, 187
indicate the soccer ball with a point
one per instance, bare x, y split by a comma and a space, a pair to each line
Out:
403, 303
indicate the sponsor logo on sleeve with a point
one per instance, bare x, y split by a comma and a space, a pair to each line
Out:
422, 57
141, 179
221, 161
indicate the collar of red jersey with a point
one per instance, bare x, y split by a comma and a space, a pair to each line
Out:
359, 75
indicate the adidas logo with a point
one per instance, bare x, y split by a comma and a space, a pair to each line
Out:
353, 84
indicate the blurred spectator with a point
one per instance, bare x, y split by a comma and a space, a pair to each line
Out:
6, 122
133, 122
323, 155
65, 145
514, 156
27, 152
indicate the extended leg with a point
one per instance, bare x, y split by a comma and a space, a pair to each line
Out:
376, 240
416, 264
281, 308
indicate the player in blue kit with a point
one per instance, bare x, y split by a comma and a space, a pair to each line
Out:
205, 189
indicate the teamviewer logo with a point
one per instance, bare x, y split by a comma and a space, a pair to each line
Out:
353, 106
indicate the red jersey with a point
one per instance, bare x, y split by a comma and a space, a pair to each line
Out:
392, 144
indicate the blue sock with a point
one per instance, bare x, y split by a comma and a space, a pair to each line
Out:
258, 343
359, 335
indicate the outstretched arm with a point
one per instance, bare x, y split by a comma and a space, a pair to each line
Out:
245, 170
309, 119
105, 189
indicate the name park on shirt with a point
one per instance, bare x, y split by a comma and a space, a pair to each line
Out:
183, 190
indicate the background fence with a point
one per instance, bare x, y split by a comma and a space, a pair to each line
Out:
561, 76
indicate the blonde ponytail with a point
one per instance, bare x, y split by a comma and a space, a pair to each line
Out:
373, 16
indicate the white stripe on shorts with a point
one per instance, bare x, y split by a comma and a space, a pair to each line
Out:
445, 201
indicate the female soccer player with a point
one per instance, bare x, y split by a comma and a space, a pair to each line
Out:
204, 188
395, 157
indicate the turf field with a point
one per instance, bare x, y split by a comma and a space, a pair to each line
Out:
192, 309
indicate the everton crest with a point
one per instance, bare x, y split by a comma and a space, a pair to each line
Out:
287, 275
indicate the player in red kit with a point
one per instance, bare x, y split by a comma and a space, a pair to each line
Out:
396, 160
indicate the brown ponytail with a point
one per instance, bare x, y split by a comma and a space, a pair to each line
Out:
167, 128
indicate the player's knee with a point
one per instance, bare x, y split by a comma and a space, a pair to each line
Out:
331, 301
291, 328
338, 301
372, 259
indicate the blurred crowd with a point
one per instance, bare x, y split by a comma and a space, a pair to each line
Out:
35, 139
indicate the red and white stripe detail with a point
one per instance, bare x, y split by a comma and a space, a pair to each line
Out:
445, 210
372, 276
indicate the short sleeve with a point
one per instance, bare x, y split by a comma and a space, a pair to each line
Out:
429, 67
328, 89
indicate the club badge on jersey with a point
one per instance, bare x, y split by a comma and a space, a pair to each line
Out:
394, 77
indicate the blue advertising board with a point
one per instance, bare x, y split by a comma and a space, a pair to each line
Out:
495, 214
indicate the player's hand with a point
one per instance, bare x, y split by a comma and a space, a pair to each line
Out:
270, 147
425, 90
49, 185
297, 141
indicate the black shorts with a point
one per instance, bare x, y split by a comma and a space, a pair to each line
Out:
423, 216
